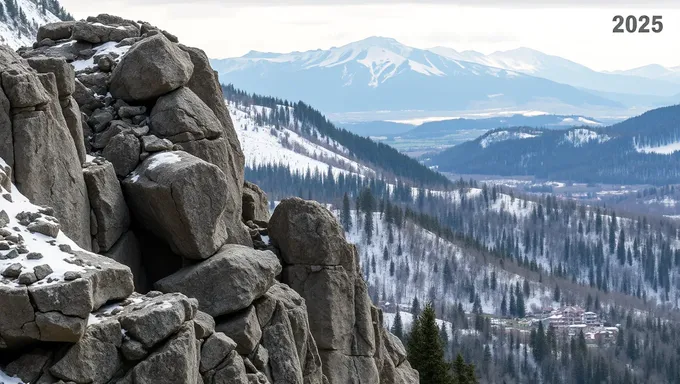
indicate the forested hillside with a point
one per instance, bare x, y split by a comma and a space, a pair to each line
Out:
20, 19
302, 119
493, 264
641, 150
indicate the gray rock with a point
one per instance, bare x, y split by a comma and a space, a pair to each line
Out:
13, 270
133, 350
182, 116
17, 313
101, 33
57, 327
4, 218
176, 362
47, 228
29, 366
279, 340
96, 81
231, 371
123, 152
152, 143
6, 141
105, 281
215, 349
85, 98
204, 325
56, 31
349, 369
42, 271
151, 68
74, 122
180, 198
158, 319
217, 152
40, 137
108, 204
205, 83
127, 251
93, 359
63, 71
330, 294
128, 112
244, 329
99, 119
251, 273
27, 278
23, 87
255, 203
103, 138
308, 233
105, 64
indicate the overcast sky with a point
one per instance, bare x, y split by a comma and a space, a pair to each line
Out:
578, 30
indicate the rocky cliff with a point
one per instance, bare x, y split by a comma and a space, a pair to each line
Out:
131, 248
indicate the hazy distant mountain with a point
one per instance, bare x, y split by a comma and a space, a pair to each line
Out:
382, 74
641, 81
640, 150
654, 71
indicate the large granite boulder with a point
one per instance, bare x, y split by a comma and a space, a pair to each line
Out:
205, 83
96, 32
151, 68
182, 116
181, 199
108, 204
255, 204
307, 233
250, 274
40, 136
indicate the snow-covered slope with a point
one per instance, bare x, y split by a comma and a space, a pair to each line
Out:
264, 144
18, 28
499, 136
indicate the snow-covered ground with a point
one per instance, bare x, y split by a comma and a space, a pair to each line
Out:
580, 136
496, 137
265, 144
407, 321
419, 270
12, 36
666, 149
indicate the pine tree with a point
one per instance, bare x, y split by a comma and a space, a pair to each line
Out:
463, 373
621, 248
504, 306
415, 307
557, 294
346, 217
398, 327
425, 350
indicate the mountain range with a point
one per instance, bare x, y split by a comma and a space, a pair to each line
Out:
641, 150
381, 74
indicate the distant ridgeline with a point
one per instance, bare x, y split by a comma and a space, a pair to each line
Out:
375, 155
640, 150
22, 19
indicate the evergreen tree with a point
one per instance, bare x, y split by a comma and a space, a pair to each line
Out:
415, 307
557, 294
463, 373
398, 327
621, 248
346, 217
425, 350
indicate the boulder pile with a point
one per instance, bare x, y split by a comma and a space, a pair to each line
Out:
153, 264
